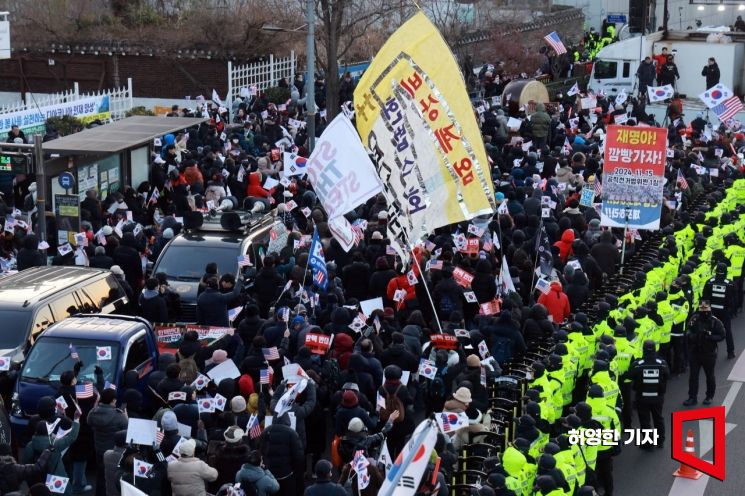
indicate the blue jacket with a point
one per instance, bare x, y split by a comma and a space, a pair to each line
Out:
325, 488
261, 479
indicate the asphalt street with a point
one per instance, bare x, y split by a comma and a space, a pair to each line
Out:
641, 473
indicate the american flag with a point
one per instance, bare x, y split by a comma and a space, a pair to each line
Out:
108, 385
243, 261
728, 108
84, 391
555, 42
358, 235
254, 428
264, 378
567, 146
270, 353
319, 278
682, 183
74, 352
159, 435
598, 187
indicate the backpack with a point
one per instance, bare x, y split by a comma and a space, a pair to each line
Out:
347, 448
189, 369
392, 403
447, 305
331, 374
502, 349
436, 388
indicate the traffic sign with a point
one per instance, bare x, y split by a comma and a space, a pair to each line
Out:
617, 18
66, 180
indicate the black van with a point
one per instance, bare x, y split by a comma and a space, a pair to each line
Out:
35, 298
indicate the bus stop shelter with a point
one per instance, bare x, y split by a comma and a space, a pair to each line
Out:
104, 158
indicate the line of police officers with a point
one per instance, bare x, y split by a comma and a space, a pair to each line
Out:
628, 350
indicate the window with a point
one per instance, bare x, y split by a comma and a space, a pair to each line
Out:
50, 357
43, 320
626, 69
15, 327
100, 293
605, 69
64, 306
137, 354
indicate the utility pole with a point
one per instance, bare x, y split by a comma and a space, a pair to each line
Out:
310, 95
41, 188
665, 15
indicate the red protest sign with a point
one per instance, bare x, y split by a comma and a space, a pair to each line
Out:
472, 246
444, 341
318, 344
491, 307
462, 277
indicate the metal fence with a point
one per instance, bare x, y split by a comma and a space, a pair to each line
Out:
120, 100
262, 75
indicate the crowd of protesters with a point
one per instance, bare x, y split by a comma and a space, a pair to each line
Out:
364, 392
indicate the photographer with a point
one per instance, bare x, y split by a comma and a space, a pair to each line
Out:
704, 332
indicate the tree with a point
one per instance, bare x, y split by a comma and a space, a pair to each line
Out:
344, 27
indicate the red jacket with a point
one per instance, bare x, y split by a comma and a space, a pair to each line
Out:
556, 302
565, 245
254, 188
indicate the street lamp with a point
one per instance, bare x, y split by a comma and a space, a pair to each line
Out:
310, 55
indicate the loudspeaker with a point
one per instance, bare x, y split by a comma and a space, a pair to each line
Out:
637, 15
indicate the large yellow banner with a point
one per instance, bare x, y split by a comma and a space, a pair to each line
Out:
415, 118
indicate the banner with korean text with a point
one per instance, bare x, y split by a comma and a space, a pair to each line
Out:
32, 120
633, 177
415, 118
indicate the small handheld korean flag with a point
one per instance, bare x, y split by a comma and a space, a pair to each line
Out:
411, 277
427, 368
573, 90
56, 483
450, 422
470, 296
142, 469
4, 363
483, 349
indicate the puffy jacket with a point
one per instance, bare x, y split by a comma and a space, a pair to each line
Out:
565, 244
153, 307
260, 478
254, 187
187, 476
540, 121
105, 420
556, 302
281, 450
537, 327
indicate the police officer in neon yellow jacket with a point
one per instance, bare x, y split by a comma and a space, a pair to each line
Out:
601, 376
607, 416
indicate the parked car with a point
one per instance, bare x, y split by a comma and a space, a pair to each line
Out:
115, 343
35, 298
185, 257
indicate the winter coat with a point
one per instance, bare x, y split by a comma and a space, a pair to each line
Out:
39, 443
29, 255
342, 351
259, 478
606, 254
106, 420
565, 244
187, 476
484, 285
646, 73
228, 460
301, 410
454, 292
153, 307
540, 121
212, 306
379, 283
345, 414
413, 339
398, 354
12, 473
711, 72
128, 258
578, 290
356, 279
325, 488
281, 450
556, 302
101, 262
536, 327
113, 473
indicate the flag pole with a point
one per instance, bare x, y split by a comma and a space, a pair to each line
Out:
537, 257
426, 289
623, 247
